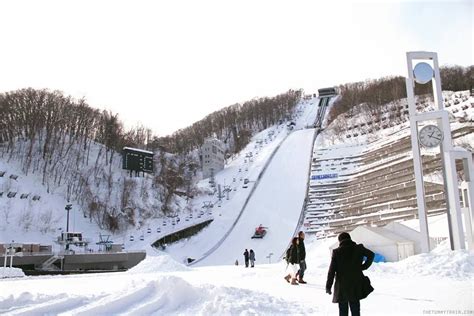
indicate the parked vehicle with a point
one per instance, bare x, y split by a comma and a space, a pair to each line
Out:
260, 231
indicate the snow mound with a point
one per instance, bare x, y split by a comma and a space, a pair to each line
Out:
39, 304
441, 262
161, 262
172, 295
164, 296
236, 301
9, 302
11, 273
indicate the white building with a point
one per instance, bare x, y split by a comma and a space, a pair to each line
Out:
212, 156
394, 241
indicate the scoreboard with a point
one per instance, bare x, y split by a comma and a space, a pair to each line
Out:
137, 160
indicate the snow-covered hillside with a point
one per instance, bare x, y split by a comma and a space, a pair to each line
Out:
279, 160
108, 186
276, 203
105, 186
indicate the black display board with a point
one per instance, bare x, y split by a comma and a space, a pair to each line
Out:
137, 160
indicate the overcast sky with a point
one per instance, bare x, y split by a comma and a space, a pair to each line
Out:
167, 64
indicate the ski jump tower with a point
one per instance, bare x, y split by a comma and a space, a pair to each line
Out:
431, 137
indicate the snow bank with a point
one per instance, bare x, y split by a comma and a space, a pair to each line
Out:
442, 262
158, 262
39, 304
164, 296
233, 301
11, 273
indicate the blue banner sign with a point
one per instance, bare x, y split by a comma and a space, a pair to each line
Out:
324, 176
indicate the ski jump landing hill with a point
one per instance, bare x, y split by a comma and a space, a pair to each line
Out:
276, 203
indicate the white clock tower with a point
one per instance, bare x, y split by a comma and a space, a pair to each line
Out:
432, 136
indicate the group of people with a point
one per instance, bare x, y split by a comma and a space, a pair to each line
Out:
296, 258
347, 263
249, 256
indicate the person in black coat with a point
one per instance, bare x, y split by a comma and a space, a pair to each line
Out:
302, 257
246, 258
346, 265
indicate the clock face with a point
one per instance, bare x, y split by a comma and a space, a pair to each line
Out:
430, 136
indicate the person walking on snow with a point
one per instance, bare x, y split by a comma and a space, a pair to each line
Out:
293, 260
302, 257
346, 265
252, 258
246, 258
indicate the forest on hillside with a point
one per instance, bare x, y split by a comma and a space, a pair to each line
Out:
375, 94
75, 148
234, 125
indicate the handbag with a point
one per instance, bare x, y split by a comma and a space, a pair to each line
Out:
366, 287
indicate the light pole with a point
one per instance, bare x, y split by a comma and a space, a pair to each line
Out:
67, 208
270, 257
12, 253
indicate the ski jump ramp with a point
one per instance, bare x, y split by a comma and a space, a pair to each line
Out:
276, 203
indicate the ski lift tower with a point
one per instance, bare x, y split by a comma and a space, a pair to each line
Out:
430, 130
207, 205
104, 243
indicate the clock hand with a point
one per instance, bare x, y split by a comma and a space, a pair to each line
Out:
435, 137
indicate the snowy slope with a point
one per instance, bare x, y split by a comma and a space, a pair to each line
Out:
276, 204
226, 212
25, 220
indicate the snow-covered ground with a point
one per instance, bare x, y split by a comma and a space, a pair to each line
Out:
439, 281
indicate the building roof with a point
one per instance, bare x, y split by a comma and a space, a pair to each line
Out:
380, 231
386, 233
